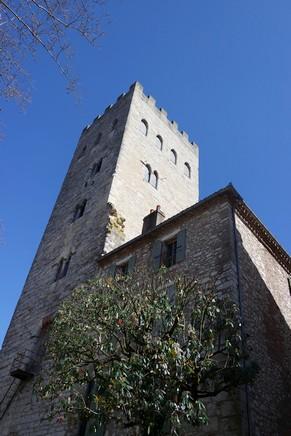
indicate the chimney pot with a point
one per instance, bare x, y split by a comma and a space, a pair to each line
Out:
153, 219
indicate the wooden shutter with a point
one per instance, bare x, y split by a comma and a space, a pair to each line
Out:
181, 246
111, 270
171, 294
131, 264
156, 255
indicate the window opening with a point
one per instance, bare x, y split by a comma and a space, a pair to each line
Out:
170, 251
173, 157
147, 173
79, 210
144, 127
187, 170
159, 142
154, 178
114, 124
122, 270
63, 268
96, 167
98, 139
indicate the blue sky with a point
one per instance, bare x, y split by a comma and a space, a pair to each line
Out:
222, 70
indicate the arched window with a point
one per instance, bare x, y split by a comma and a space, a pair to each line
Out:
154, 179
144, 127
187, 170
173, 156
63, 267
159, 142
147, 173
114, 124
98, 139
79, 210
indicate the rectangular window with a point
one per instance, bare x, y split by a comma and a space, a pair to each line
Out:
289, 283
169, 252
121, 270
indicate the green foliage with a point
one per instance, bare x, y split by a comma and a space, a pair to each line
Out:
148, 359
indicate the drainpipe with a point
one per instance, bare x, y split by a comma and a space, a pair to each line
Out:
240, 313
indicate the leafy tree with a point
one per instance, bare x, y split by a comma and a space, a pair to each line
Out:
26, 25
144, 353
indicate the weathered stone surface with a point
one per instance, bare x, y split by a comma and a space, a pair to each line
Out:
224, 246
117, 200
221, 247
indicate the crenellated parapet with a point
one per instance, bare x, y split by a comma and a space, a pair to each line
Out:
151, 101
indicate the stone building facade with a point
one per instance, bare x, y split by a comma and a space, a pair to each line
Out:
130, 161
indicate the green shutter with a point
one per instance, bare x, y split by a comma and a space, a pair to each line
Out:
171, 294
131, 264
181, 246
111, 270
156, 255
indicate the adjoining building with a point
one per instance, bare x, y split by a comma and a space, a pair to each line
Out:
130, 200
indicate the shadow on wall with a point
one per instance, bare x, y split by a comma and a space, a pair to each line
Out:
270, 343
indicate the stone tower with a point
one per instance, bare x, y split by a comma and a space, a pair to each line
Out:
129, 161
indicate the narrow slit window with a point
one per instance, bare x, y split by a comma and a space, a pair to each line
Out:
173, 157
79, 210
98, 139
63, 268
154, 179
144, 127
114, 124
187, 170
159, 142
97, 167
147, 173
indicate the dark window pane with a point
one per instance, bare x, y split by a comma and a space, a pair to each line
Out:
159, 142
144, 127
170, 252
122, 270
63, 268
173, 157
97, 167
98, 139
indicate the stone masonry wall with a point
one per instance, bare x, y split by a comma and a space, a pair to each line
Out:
209, 258
84, 240
113, 214
266, 311
132, 196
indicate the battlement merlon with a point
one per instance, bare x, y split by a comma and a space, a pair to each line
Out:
161, 112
